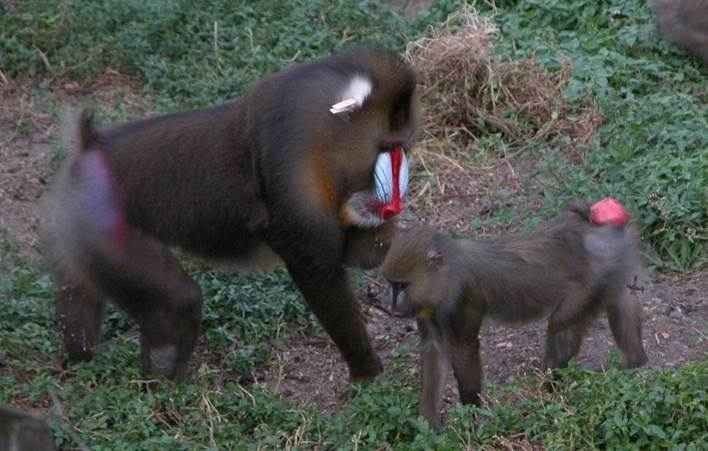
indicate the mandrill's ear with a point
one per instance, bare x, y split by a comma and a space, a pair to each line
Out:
433, 258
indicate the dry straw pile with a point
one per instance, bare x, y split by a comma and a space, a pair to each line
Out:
468, 92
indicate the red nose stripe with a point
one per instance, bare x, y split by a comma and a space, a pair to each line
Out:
394, 207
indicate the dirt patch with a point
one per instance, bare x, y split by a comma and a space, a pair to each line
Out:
26, 131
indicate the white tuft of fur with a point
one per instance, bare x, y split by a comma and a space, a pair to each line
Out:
359, 89
353, 96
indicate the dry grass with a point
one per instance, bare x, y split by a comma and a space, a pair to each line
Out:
469, 92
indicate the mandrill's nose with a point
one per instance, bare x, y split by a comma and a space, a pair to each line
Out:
388, 211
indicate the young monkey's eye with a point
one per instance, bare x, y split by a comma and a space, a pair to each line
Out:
396, 289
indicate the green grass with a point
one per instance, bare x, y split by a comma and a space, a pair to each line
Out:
651, 152
188, 54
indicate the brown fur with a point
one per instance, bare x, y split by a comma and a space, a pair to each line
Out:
567, 272
367, 248
270, 171
685, 23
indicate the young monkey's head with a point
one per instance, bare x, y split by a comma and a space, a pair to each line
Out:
366, 248
417, 270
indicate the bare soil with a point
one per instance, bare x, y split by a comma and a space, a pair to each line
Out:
25, 155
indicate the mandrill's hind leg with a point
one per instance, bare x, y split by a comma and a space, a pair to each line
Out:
625, 317
567, 327
147, 281
79, 313
563, 345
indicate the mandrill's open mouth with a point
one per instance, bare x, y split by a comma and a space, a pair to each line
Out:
391, 183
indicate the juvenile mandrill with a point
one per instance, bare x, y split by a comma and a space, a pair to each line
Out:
310, 163
568, 271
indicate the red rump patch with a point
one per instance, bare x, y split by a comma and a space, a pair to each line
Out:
395, 206
609, 211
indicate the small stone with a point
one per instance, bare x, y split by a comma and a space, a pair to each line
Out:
676, 313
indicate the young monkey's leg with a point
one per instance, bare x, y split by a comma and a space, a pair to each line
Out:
464, 354
434, 371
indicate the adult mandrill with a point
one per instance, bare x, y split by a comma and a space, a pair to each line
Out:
307, 163
568, 272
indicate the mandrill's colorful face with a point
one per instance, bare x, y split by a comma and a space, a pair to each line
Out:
373, 146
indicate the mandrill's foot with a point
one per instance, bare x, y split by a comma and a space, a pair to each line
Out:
367, 371
72, 356
165, 361
635, 362
160, 361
